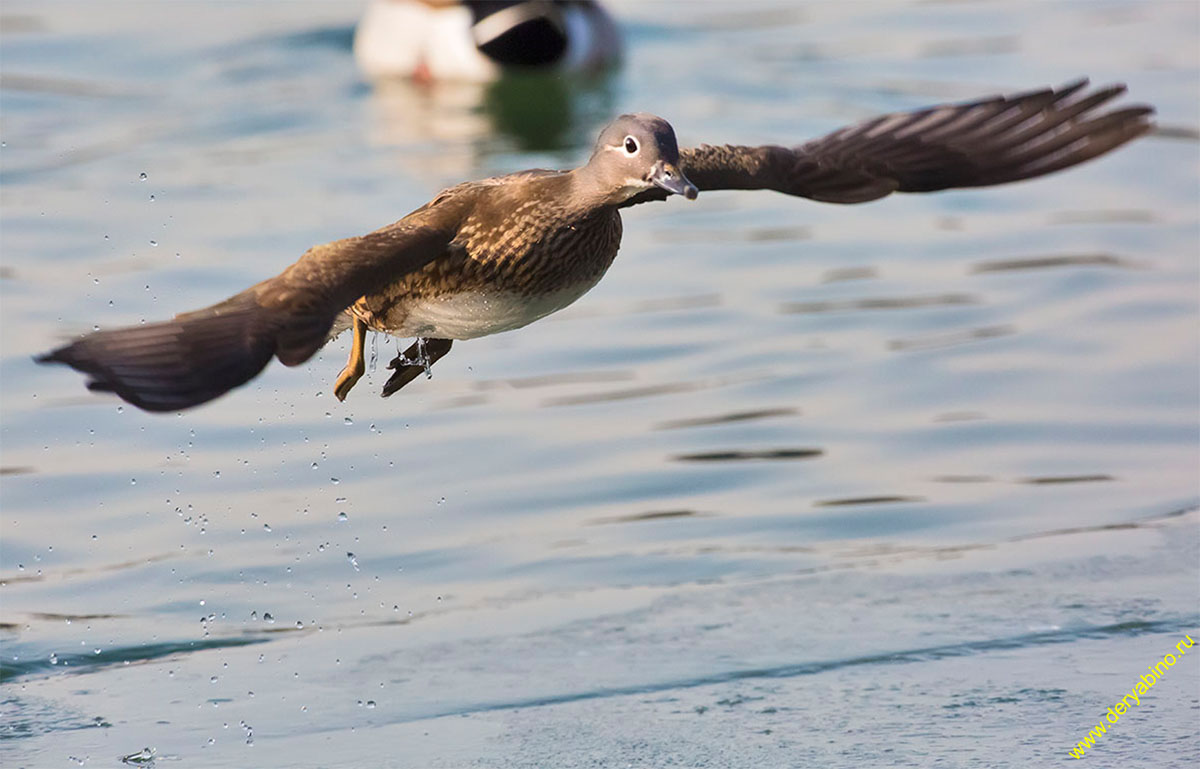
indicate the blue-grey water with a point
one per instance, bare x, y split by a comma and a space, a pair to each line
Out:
911, 483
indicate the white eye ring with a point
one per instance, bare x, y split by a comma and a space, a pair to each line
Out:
631, 146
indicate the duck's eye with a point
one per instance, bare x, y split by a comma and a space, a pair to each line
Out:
631, 145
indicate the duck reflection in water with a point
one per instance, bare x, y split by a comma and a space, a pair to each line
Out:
536, 74
472, 122
495, 255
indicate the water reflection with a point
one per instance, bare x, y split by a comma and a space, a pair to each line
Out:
1068, 479
1042, 262
656, 515
719, 419
90, 661
522, 112
885, 499
839, 274
743, 456
880, 303
942, 339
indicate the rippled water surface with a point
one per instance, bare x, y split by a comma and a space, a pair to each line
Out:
906, 483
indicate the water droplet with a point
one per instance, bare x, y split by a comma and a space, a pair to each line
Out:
335, 481
370, 704
216, 473
143, 176
267, 617
212, 680
143, 756
343, 517
254, 615
347, 421
353, 561
151, 198
133, 481
153, 243
266, 527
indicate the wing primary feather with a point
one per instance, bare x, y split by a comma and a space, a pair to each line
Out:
995, 140
204, 353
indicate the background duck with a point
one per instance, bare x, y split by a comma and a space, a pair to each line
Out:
477, 40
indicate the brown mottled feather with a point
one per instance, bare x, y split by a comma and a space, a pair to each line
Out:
525, 238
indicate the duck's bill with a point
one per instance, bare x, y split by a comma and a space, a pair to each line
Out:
668, 177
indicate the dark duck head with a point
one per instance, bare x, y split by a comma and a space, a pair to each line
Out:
636, 153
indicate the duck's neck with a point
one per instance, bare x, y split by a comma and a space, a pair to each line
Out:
588, 189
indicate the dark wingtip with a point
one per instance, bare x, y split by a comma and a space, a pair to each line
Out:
170, 366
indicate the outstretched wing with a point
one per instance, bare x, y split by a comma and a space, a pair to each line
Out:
202, 354
990, 141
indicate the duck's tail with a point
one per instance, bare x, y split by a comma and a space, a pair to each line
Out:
197, 356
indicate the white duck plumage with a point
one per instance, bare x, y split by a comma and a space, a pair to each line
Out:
441, 39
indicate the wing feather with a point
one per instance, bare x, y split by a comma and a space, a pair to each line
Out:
203, 354
989, 141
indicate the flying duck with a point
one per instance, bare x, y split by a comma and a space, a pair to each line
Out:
495, 255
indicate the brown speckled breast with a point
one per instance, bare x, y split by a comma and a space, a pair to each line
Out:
533, 247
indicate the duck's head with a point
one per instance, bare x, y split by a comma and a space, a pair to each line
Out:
636, 153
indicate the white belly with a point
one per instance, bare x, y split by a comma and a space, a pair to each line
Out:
471, 315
